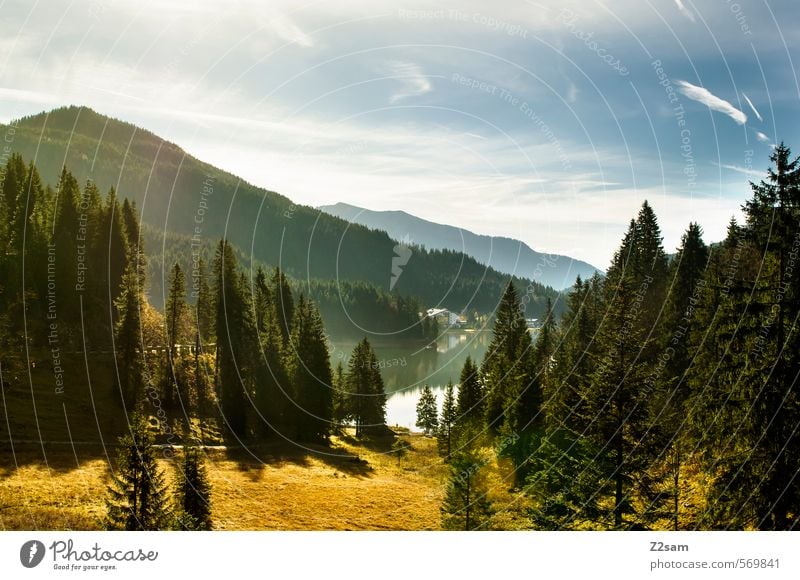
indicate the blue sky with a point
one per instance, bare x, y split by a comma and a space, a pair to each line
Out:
545, 121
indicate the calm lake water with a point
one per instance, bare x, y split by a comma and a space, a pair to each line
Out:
406, 369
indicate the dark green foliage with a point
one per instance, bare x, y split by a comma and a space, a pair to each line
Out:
687, 275
310, 375
193, 491
138, 492
507, 368
466, 506
746, 408
470, 393
427, 412
365, 400
128, 343
447, 423
234, 329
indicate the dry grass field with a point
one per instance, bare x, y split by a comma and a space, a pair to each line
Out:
348, 486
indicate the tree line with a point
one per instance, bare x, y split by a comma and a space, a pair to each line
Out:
665, 397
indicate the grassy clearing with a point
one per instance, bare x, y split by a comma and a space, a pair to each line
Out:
349, 486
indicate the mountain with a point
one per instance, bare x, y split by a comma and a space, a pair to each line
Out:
179, 195
503, 254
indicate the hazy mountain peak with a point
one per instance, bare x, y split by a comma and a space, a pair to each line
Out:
504, 254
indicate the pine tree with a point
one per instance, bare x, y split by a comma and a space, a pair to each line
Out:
128, 342
366, 399
193, 493
271, 381
687, 275
616, 406
470, 393
283, 303
232, 323
175, 316
205, 312
310, 374
447, 422
747, 410
466, 506
505, 368
427, 413
138, 492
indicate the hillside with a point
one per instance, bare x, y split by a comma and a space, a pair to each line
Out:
505, 255
179, 194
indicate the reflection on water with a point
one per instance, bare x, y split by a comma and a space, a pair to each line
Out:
405, 369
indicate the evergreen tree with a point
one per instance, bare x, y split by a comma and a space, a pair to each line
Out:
687, 274
283, 303
747, 409
466, 506
128, 342
470, 393
175, 316
447, 422
193, 493
310, 374
232, 322
138, 492
427, 413
506, 368
205, 312
616, 406
366, 400
271, 381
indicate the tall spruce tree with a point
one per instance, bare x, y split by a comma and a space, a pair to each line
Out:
193, 491
466, 506
506, 368
138, 492
366, 400
447, 422
175, 313
746, 410
310, 374
470, 393
128, 341
283, 303
687, 275
232, 322
427, 412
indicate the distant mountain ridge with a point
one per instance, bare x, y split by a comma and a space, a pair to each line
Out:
503, 254
182, 195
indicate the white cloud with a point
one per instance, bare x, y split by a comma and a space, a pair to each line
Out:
752, 106
764, 138
684, 10
414, 81
748, 171
284, 27
711, 101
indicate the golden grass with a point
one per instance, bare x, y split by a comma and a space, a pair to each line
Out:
349, 486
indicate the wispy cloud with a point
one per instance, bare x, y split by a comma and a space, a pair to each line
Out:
684, 10
284, 27
752, 106
572, 94
748, 171
711, 101
414, 81
763, 137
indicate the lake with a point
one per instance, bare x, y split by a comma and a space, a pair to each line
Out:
407, 368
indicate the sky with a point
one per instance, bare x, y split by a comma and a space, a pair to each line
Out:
548, 121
